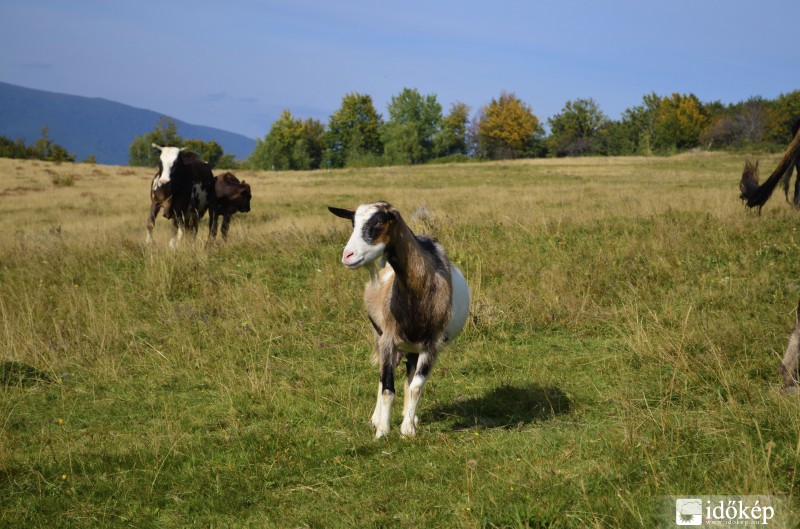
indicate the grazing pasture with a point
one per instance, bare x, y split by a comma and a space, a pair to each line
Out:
628, 320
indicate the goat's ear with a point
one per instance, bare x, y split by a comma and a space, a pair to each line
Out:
159, 147
348, 214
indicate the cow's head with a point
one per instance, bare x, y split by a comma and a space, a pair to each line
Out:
229, 187
167, 163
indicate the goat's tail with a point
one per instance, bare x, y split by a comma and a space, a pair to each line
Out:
754, 195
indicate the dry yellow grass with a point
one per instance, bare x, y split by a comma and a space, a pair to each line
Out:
628, 318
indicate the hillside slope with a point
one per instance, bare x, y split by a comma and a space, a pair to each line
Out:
85, 125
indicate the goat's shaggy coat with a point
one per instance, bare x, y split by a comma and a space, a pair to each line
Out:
755, 195
417, 304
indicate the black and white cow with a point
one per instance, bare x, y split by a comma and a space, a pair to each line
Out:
183, 188
232, 196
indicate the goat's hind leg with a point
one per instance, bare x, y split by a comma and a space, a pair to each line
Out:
423, 366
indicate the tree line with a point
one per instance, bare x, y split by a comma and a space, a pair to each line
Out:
42, 149
417, 131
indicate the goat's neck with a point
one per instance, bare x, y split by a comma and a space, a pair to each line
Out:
411, 264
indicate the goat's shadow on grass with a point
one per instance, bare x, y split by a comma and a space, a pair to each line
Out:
504, 407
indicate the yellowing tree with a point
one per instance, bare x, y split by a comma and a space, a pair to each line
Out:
680, 119
506, 128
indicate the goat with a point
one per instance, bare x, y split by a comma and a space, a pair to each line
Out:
754, 195
416, 305
790, 365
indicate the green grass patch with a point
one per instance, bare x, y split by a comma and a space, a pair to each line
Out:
627, 321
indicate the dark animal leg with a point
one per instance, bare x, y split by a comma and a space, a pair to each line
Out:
226, 222
151, 220
213, 221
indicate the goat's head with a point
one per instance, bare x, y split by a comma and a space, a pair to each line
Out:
372, 228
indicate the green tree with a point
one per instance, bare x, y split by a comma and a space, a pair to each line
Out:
781, 114
227, 161
290, 144
452, 137
165, 133
46, 149
353, 132
414, 121
209, 151
506, 128
577, 130
680, 119
14, 149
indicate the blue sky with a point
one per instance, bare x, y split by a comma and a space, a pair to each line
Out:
235, 65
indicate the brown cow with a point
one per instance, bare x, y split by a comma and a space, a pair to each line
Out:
231, 196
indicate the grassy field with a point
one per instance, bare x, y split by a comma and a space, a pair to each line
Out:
627, 323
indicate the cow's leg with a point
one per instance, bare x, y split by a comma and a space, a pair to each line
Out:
192, 220
423, 367
177, 232
213, 221
168, 208
151, 220
383, 408
226, 223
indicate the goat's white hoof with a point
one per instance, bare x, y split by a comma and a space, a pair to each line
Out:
380, 433
408, 428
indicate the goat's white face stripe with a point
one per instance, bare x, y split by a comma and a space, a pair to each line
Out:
168, 157
359, 251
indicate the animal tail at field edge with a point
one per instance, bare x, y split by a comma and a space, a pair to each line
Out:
754, 195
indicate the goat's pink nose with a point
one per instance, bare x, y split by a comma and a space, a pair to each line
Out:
347, 255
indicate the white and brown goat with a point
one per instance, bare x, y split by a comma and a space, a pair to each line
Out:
417, 304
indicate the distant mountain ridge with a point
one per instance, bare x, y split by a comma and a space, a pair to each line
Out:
85, 125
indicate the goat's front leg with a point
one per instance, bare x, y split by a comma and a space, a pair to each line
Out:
414, 387
383, 408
